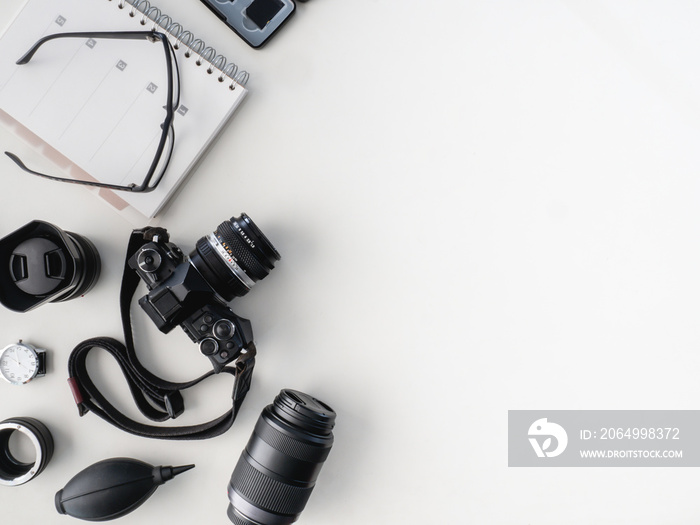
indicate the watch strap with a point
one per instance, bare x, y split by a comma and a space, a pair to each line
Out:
41, 362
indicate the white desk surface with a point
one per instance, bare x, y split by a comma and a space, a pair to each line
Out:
480, 207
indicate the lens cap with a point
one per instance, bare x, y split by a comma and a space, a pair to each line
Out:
38, 266
41, 263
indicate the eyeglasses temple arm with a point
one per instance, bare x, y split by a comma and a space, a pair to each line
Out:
131, 35
18, 161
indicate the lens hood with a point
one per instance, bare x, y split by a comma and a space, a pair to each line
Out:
40, 263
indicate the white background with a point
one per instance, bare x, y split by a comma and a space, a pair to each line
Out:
480, 207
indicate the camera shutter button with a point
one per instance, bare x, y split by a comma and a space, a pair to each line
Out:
209, 346
223, 329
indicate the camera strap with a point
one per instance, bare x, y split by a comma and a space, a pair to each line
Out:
156, 398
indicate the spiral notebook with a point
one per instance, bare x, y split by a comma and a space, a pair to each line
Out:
89, 106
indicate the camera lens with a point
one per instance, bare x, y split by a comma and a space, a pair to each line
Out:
45, 264
234, 257
277, 471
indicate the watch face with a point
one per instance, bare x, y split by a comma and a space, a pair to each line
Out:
18, 363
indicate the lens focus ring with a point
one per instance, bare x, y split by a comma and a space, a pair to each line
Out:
245, 257
267, 493
290, 446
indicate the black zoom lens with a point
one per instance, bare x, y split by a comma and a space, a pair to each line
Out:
277, 470
234, 257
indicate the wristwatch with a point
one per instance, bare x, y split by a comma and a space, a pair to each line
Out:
21, 362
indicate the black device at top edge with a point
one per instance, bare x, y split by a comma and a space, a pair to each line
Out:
257, 22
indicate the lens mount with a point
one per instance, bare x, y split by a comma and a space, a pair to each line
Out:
12, 471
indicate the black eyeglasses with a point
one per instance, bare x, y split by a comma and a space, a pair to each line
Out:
164, 149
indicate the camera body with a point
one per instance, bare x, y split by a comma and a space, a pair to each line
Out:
192, 291
179, 295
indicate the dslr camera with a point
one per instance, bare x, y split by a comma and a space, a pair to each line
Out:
193, 291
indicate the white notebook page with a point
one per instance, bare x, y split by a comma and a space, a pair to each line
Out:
99, 104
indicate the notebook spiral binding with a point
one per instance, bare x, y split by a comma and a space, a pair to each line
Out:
195, 46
